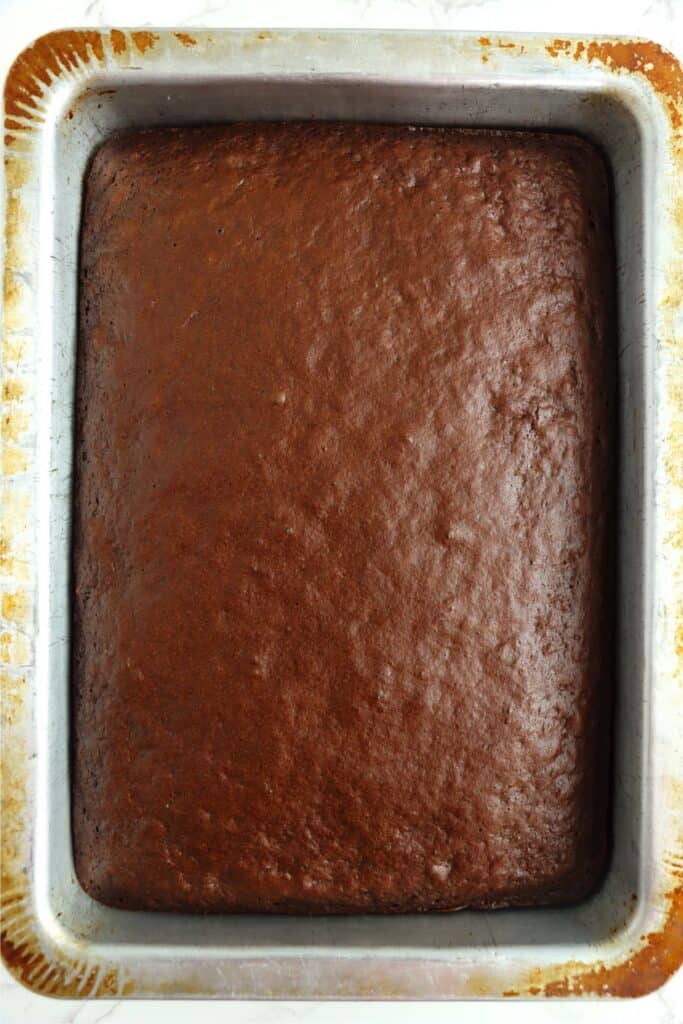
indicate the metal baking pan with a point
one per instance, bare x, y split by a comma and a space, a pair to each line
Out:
63, 96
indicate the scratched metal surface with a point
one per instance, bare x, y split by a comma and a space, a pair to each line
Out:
65, 95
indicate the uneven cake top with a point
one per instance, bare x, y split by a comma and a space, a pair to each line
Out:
343, 588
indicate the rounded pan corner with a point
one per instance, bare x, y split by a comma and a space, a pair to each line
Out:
649, 985
21, 950
43, 61
58, 975
75, 56
41, 950
35, 985
662, 955
660, 71
643, 967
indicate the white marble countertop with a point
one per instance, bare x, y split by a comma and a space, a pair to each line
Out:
661, 20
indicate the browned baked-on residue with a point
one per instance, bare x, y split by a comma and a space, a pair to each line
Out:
657, 959
19, 946
37, 67
17, 172
679, 629
15, 422
674, 459
23, 956
118, 40
14, 460
15, 606
12, 390
645, 971
185, 39
12, 294
144, 40
656, 64
558, 46
661, 69
15, 518
500, 44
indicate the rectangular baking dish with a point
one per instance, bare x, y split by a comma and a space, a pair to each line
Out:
63, 96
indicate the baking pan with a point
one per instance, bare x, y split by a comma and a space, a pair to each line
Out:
63, 96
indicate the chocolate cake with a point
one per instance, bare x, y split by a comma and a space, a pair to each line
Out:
344, 509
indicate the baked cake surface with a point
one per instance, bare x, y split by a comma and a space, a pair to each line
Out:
343, 512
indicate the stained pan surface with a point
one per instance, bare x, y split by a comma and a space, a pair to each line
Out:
63, 97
